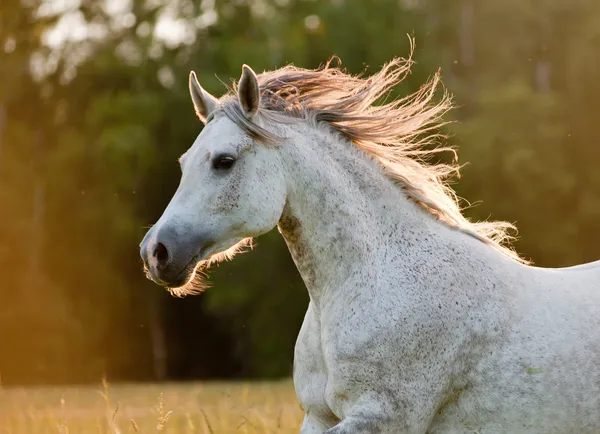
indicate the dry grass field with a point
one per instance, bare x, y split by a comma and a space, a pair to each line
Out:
220, 407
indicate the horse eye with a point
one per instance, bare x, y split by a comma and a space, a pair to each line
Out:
223, 162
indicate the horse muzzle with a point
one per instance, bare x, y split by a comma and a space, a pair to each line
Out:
171, 257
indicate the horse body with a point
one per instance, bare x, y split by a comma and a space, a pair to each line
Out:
544, 376
414, 324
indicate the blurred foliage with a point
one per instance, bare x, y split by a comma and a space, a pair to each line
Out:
91, 127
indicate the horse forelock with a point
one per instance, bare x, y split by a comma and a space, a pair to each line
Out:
403, 134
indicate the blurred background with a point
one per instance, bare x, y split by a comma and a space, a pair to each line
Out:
94, 111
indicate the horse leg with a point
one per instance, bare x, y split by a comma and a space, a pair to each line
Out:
310, 377
367, 425
312, 425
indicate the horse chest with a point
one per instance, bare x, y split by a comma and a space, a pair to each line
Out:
310, 372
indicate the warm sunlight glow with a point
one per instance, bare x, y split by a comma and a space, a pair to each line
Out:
347, 178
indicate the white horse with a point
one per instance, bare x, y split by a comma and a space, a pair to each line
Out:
419, 321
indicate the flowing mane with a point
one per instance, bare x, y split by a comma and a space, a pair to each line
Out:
399, 134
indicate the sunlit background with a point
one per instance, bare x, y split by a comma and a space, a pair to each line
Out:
94, 111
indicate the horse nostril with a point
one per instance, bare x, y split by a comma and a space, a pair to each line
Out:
161, 254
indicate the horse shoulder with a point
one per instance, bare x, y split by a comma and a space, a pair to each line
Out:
389, 350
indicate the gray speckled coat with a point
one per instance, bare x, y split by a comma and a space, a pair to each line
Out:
413, 326
416, 327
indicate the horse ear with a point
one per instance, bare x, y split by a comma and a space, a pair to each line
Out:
204, 102
248, 92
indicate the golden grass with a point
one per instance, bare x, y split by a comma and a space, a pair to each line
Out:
211, 408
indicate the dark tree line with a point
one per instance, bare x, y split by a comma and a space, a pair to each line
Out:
91, 125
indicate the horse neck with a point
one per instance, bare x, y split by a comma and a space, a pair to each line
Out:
341, 209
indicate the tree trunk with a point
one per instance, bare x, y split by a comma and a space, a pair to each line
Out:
467, 45
2, 128
542, 64
466, 53
157, 339
37, 220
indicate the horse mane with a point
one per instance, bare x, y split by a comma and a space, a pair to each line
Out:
402, 135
